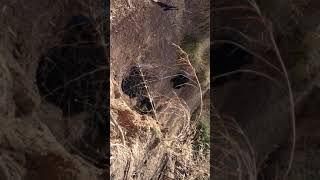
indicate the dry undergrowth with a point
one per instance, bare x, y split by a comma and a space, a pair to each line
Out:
238, 159
171, 127
28, 30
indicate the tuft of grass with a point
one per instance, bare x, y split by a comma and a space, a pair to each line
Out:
197, 47
202, 142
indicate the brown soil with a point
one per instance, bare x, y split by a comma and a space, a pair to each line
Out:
36, 137
256, 124
143, 35
41, 140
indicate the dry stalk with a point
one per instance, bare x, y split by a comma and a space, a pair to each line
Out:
290, 91
119, 129
186, 59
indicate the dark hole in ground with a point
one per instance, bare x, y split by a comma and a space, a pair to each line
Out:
144, 105
179, 81
66, 74
71, 76
227, 58
134, 85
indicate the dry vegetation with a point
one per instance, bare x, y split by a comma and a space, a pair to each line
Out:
37, 138
169, 133
164, 144
281, 46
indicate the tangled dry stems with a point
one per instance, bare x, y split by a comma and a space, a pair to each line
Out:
237, 151
175, 116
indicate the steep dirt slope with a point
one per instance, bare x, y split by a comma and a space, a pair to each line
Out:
255, 104
158, 146
36, 137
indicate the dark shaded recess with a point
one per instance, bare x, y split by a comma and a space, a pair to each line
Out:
67, 75
134, 86
165, 7
144, 105
179, 81
227, 58
71, 77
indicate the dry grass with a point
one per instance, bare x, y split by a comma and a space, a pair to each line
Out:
45, 32
198, 50
173, 129
233, 150
28, 30
234, 156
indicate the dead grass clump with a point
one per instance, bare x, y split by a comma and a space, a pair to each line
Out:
233, 156
197, 157
123, 116
198, 48
169, 132
119, 10
243, 154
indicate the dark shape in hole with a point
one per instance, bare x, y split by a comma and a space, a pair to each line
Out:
80, 30
132, 84
179, 81
227, 58
165, 7
69, 77
65, 73
144, 105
